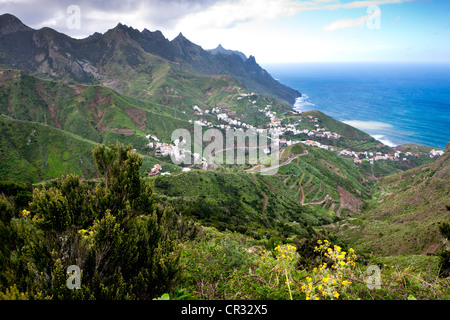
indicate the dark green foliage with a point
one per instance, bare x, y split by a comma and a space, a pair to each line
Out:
444, 254
235, 202
20, 192
125, 246
444, 228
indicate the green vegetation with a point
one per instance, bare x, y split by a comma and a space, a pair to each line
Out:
75, 188
230, 266
32, 152
95, 113
133, 243
404, 212
125, 246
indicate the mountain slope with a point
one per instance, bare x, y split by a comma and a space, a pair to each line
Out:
35, 152
108, 58
92, 112
315, 188
405, 212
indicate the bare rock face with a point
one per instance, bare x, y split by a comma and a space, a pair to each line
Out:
447, 147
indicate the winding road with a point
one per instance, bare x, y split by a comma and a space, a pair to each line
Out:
266, 169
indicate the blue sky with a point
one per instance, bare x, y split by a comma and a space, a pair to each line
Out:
271, 30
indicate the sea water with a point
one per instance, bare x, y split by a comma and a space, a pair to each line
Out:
396, 103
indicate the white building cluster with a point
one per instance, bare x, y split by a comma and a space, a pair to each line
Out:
436, 153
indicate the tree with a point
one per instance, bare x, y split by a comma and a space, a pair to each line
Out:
444, 254
125, 245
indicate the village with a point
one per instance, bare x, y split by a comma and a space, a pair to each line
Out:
275, 127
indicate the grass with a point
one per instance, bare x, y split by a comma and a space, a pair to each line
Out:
404, 212
226, 265
36, 152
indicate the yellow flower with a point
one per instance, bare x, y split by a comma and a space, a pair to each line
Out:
336, 294
342, 263
320, 287
340, 256
308, 279
325, 280
25, 212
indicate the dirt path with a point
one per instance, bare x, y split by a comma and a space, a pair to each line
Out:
300, 182
259, 168
321, 201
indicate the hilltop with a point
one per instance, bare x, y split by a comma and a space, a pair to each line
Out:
222, 50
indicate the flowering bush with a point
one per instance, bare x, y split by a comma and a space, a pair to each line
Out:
285, 255
329, 281
281, 263
25, 213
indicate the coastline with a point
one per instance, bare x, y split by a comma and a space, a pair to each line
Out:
412, 98
380, 131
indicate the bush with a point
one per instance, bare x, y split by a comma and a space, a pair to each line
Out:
125, 246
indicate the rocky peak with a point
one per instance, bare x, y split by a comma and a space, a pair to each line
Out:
221, 49
251, 61
11, 24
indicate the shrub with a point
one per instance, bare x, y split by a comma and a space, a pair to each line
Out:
330, 279
125, 246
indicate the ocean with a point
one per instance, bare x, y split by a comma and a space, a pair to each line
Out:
397, 103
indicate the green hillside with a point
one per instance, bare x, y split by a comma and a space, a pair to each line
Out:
314, 189
33, 152
95, 113
404, 212
76, 185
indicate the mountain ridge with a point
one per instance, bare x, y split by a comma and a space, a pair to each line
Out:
220, 49
51, 54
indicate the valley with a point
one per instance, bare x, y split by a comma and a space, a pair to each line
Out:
86, 130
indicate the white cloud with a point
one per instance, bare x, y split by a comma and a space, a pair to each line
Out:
346, 23
360, 4
227, 14
373, 15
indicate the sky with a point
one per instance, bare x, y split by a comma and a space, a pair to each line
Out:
274, 31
